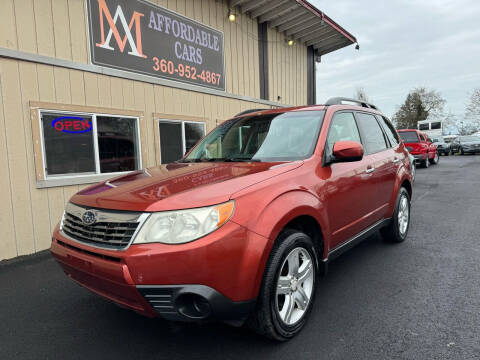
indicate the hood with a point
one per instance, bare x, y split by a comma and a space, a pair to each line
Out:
178, 185
475, 142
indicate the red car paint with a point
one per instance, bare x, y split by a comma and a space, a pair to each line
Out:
342, 198
424, 148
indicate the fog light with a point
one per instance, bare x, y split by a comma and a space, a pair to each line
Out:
193, 306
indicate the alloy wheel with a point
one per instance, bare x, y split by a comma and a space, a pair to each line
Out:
295, 286
403, 215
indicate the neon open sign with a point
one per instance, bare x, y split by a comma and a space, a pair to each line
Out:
72, 124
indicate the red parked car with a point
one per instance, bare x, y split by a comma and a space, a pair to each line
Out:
420, 146
240, 228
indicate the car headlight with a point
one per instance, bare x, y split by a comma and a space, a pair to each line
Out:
182, 226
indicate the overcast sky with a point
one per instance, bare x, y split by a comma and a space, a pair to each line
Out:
403, 44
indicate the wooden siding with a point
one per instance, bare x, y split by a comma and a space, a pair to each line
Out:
28, 214
28, 26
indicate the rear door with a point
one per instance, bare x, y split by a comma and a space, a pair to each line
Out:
347, 192
395, 153
382, 174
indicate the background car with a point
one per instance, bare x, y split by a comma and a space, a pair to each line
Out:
420, 146
467, 145
413, 166
443, 147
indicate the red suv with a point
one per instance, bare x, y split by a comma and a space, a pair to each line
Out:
240, 228
420, 146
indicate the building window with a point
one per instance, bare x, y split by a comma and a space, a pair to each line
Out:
178, 137
88, 144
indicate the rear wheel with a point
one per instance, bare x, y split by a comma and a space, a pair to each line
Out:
435, 160
397, 230
288, 288
461, 151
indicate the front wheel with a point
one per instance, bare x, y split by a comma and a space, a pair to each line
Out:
397, 230
288, 288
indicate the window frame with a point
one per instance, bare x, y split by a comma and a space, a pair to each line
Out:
383, 120
165, 118
91, 175
327, 157
362, 135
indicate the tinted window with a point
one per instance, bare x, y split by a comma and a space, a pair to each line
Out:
171, 146
436, 125
389, 130
423, 126
373, 137
117, 144
343, 128
193, 133
409, 136
67, 152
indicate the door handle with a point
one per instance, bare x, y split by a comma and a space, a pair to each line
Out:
370, 170
396, 160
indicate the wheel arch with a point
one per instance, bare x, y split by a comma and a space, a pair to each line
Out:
298, 210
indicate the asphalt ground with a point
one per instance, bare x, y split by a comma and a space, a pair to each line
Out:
416, 300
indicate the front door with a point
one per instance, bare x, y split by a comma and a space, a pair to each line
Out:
348, 192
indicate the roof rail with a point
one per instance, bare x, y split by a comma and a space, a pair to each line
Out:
249, 111
340, 100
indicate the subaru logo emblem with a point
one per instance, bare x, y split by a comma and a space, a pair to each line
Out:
89, 217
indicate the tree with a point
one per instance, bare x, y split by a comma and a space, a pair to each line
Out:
361, 95
466, 127
472, 111
420, 104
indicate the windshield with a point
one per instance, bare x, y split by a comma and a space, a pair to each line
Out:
469, 138
409, 136
435, 140
275, 137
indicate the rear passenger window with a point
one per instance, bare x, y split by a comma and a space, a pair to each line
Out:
389, 130
343, 128
373, 135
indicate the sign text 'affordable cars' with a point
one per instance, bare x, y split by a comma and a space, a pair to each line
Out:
134, 35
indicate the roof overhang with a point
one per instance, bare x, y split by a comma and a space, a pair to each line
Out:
299, 21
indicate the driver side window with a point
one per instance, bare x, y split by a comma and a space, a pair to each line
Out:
342, 128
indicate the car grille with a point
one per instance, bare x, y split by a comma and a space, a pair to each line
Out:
112, 229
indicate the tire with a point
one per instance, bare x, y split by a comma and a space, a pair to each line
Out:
397, 230
435, 160
461, 151
447, 153
425, 163
270, 317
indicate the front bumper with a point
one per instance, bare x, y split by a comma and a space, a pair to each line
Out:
217, 274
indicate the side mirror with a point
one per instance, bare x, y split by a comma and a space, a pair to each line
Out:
346, 151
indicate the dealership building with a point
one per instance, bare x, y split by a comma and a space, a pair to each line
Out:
90, 89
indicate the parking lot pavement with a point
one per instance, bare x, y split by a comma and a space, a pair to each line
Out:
416, 300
